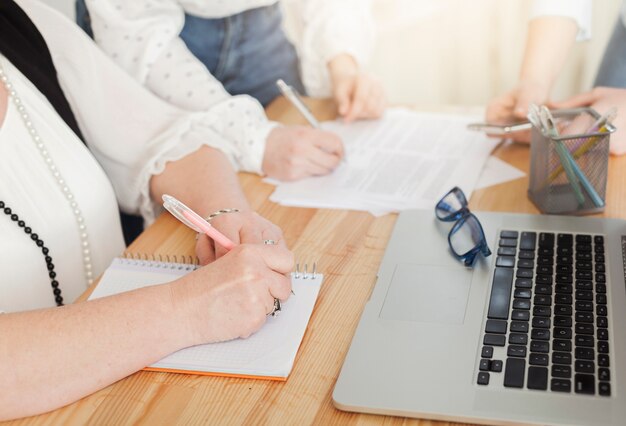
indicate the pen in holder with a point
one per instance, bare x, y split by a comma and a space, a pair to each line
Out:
568, 172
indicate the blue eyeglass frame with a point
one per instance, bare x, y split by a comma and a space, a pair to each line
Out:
462, 216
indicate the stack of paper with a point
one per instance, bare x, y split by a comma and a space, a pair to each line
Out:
404, 160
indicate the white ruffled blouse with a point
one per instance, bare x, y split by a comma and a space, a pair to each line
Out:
131, 135
142, 36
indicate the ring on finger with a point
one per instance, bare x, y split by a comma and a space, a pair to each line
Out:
276, 309
269, 242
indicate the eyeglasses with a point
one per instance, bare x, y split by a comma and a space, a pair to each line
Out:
466, 238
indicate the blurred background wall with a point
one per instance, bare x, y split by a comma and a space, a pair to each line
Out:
462, 52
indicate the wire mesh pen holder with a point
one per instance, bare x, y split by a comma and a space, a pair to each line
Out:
551, 188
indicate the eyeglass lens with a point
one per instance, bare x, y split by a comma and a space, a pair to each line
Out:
451, 204
466, 235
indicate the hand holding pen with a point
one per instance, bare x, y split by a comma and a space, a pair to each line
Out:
196, 222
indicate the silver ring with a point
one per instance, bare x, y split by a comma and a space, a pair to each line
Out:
269, 242
276, 309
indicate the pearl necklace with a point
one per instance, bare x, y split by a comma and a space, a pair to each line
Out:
69, 196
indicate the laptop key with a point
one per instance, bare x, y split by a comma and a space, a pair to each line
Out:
562, 332
603, 347
538, 359
564, 310
604, 389
543, 300
581, 366
527, 241
516, 351
484, 365
522, 293
526, 254
507, 251
584, 329
507, 242
562, 358
520, 315
494, 340
518, 339
542, 311
603, 360
496, 366
519, 326
500, 299
509, 234
487, 352
527, 263
603, 334
546, 239
537, 378
483, 378
562, 371
585, 384
604, 374
505, 261
539, 346
560, 385
584, 340
524, 273
495, 326
514, 372
541, 322
521, 304
585, 353
540, 334
562, 345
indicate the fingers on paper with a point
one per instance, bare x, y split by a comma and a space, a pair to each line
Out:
279, 288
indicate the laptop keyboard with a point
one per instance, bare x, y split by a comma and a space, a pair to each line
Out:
547, 321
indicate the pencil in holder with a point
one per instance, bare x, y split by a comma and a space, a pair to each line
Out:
568, 173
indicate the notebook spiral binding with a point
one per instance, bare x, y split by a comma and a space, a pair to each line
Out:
191, 263
305, 274
164, 261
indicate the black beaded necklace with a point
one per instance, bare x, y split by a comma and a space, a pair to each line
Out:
33, 236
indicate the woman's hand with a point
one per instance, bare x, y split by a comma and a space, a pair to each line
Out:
601, 99
231, 297
357, 94
512, 107
243, 227
296, 152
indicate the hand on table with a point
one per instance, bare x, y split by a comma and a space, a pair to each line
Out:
357, 94
296, 152
243, 227
512, 107
231, 297
601, 99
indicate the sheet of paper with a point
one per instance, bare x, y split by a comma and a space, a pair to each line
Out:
270, 352
404, 160
496, 172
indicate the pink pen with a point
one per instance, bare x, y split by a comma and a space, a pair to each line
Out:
193, 220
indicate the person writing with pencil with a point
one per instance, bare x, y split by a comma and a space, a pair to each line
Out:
227, 56
60, 228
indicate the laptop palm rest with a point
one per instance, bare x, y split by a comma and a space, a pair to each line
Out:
427, 293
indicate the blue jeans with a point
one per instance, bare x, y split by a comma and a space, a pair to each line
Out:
612, 71
247, 52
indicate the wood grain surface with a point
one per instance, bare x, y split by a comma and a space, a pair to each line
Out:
348, 247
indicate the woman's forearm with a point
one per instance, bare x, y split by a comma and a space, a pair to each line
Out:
204, 180
548, 43
52, 357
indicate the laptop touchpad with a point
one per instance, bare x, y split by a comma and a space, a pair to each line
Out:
425, 293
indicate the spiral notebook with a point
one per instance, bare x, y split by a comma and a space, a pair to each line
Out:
267, 354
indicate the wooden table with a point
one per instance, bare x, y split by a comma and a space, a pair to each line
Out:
348, 247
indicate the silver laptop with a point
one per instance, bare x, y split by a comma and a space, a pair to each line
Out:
533, 334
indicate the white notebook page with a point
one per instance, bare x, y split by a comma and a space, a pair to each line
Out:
269, 353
